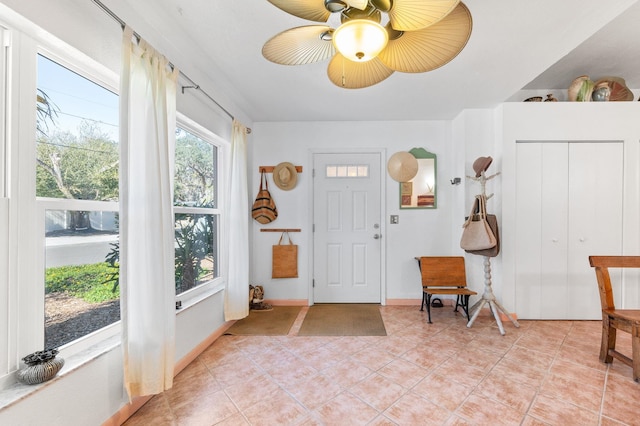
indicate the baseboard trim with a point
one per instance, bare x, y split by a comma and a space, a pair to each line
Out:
404, 302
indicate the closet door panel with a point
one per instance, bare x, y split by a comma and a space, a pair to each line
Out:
554, 244
528, 229
595, 219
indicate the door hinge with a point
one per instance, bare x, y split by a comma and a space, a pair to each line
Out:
313, 283
313, 173
313, 228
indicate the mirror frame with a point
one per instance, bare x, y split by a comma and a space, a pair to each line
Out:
406, 188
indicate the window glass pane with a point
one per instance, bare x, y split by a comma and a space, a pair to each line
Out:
196, 250
195, 171
81, 278
77, 136
348, 171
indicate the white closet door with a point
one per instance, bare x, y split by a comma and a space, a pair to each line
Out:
568, 207
528, 230
595, 219
541, 243
555, 247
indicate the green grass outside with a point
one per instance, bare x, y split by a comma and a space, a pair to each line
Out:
89, 282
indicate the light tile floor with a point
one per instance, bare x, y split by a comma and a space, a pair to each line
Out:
543, 373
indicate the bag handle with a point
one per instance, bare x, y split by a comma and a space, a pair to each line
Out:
483, 206
263, 178
288, 236
471, 213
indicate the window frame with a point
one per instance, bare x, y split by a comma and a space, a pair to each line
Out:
22, 251
22, 214
217, 284
5, 57
100, 75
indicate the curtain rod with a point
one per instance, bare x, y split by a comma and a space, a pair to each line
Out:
194, 85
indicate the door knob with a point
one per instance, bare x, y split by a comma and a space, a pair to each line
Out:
377, 236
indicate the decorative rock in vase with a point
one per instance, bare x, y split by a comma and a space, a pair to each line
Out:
41, 366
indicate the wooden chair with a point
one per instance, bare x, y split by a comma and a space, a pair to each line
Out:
444, 275
627, 320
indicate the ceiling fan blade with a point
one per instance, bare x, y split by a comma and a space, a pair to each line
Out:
300, 46
432, 47
313, 10
356, 75
411, 15
358, 4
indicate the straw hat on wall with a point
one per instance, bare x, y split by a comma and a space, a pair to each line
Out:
285, 176
402, 166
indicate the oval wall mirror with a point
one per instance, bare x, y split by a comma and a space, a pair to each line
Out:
420, 192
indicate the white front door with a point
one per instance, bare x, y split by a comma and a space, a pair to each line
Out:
347, 240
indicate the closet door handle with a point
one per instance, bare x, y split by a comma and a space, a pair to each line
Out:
554, 240
582, 239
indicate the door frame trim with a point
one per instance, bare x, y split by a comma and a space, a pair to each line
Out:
383, 204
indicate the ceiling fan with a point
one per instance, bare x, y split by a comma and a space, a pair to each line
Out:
418, 36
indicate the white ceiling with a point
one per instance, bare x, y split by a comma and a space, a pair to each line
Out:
515, 45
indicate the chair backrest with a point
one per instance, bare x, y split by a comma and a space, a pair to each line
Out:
602, 265
443, 271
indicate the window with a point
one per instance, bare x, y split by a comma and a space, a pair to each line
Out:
77, 158
347, 171
196, 201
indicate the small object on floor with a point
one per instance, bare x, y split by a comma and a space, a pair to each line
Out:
436, 303
261, 307
256, 299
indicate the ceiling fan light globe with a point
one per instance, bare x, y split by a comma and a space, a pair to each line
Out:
334, 6
360, 40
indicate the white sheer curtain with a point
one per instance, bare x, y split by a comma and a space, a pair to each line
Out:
147, 140
236, 295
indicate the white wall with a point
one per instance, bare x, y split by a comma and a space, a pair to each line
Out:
475, 135
420, 232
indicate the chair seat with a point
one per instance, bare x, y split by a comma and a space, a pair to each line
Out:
454, 290
626, 314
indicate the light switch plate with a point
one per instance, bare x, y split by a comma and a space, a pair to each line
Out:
394, 219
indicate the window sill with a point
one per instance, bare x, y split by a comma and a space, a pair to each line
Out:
192, 300
19, 391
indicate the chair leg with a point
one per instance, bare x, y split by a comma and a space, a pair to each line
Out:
635, 351
424, 299
465, 305
458, 303
608, 340
429, 307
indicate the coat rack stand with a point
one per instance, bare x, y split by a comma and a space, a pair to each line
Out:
487, 296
